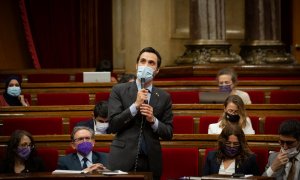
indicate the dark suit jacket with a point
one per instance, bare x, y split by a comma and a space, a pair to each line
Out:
33, 164
90, 124
71, 161
249, 166
123, 149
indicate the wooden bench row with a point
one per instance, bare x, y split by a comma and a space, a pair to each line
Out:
195, 110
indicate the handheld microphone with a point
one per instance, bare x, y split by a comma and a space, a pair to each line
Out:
143, 87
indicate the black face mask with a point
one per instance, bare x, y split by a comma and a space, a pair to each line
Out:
232, 118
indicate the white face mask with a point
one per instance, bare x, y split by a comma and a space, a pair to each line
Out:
101, 127
14, 91
145, 72
291, 152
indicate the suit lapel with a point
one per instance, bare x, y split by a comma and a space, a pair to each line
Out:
76, 162
154, 98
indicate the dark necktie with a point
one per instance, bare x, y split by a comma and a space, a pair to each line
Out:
84, 163
292, 170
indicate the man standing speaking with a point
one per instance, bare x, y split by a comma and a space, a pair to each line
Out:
140, 114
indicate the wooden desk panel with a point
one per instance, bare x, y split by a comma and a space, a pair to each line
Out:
29, 176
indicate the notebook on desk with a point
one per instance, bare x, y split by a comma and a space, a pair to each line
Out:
212, 97
96, 77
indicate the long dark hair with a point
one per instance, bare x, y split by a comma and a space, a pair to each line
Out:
11, 100
237, 131
12, 146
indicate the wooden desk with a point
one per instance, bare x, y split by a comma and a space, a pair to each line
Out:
219, 177
133, 175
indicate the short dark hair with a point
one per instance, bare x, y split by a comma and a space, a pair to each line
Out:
126, 78
290, 128
150, 50
228, 71
101, 109
78, 128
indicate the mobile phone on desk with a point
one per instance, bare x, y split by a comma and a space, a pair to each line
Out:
237, 175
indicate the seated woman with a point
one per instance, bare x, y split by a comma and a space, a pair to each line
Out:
12, 93
227, 80
232, 155
234, 113
21, 155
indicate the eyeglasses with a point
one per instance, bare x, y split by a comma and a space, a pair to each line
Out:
233, 144
81, 139
26, 145
231, 111
288, 143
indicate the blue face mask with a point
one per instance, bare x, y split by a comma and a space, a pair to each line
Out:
14, 91
145, 72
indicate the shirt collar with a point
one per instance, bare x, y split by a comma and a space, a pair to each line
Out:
139, 86
89, 156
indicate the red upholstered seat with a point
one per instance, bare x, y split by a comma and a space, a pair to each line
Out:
184, 97
262, 155
74, 120
49, 156
257, 97
179, 162
36, 125
255, 124
285, 97
101, 96
183, 125
48, 78
48, 99
205, 121
272, 123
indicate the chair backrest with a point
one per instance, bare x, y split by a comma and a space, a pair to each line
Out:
272, 123
74, 120
285, 97
184, 97
101, 96
49, 156
257, 97
179, 162
205, 121
183, 125
34, 125
48, 78
262, 155
255, 124
48, 99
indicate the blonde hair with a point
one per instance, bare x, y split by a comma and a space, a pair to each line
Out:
235, 99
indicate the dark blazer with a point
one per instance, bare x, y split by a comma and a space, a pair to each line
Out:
123, 149
71, 161
91, 124
34, 164
249, 166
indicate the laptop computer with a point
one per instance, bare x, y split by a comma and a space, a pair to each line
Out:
89, 77
212, 97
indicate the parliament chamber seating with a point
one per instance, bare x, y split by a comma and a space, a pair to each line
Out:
257, 97
49, 156
48, 78
183, 125
179, 162
272, 123
48, 99
184, 97
34, 125
101, 96
285, 97
74, 120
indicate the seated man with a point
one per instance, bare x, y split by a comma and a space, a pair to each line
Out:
83, 140
285, 164
99, 122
